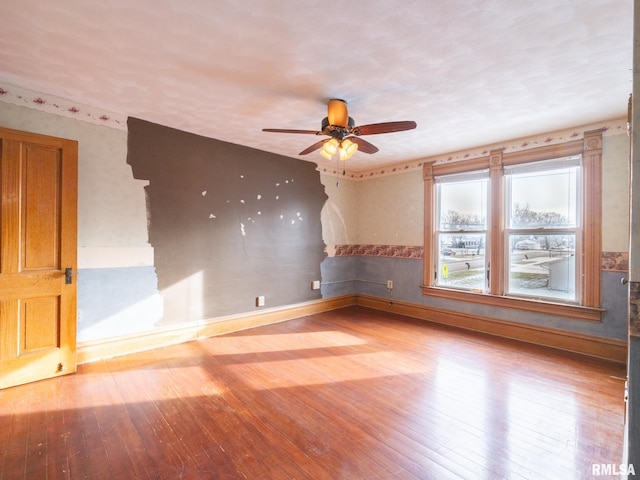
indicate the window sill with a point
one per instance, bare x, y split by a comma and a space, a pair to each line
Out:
536, 306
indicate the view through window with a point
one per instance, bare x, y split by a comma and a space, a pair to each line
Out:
462, 230
542, 207
541, 235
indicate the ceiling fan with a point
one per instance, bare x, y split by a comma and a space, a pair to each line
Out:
344, 135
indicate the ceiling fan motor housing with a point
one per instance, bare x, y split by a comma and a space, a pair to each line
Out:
336, 131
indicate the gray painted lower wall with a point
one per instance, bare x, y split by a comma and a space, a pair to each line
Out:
339, 276
117, 301
120, 301
371, 274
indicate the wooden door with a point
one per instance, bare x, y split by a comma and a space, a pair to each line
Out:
38, 225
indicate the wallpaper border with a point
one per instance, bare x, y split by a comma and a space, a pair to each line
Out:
68, 108
611, 127
42, 102
611, 261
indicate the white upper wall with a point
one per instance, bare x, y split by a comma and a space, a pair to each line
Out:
615, 194
391, 210
112, 218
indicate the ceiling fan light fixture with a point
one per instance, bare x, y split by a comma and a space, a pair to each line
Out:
347, 149
331, 147
325, 154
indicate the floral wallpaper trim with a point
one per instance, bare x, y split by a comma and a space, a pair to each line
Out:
634, 309
611, 127
59, 106
67, 108
615, 261
397, 251
611, 261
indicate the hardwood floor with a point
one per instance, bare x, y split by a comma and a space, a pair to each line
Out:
349, 394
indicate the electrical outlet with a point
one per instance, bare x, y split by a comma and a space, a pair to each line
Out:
389, 284
315, 285
260, 301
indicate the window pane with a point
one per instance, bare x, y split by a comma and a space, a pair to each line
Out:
543, 266
543, 198
463, 205
461, 261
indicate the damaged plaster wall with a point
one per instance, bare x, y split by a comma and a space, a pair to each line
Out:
227, 223
339, 227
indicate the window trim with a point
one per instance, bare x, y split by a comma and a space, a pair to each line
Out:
590, 147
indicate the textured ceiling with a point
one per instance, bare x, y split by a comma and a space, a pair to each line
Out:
470, 73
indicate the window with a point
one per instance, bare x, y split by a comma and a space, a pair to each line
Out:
543, 228
520, 230
461, 230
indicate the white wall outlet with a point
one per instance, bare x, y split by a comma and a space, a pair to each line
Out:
260, 301
389, 284
315, 285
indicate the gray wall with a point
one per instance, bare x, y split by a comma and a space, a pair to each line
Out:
227, 223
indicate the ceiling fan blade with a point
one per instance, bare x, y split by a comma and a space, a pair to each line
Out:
337, 113
386, 127
363, 145
314, 147
286, 130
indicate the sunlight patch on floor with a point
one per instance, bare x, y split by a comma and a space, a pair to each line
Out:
230, 345
323, 370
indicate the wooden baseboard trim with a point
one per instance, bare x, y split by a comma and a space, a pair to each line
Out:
599, 347
92, 351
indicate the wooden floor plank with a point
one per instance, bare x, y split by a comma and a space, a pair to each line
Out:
15, 430
349, 394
